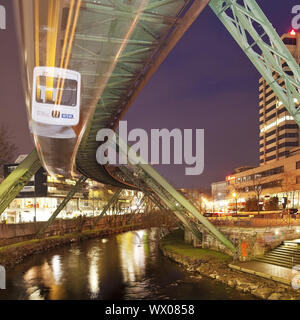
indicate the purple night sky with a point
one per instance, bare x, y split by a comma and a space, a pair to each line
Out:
205, 83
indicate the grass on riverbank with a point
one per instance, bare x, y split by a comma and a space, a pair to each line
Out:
175, 242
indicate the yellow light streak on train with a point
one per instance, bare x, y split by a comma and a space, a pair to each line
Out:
37, 42
52, 34
65, 46
70, 45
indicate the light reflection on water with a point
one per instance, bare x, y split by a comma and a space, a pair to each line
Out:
127, 266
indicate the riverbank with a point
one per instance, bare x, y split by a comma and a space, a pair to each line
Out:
214, 265
15, 253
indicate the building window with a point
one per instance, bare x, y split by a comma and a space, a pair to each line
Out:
270, 133
288, 135
288, 126
290, 41
288, 144
285, 153
271, 158
271, 141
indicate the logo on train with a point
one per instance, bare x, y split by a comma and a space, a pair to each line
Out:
296, 18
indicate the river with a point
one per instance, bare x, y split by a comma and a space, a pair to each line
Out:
126, 266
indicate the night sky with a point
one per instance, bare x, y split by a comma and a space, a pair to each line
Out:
206, 83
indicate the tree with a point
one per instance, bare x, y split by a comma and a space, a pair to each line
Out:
288, 186
7, 147
251, 204
272, 204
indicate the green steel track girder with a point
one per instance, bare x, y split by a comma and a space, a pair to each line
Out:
80, 182
158, 196
113, 40
145, 16
179, 211
163, 209
110, 203
156, 199
252, 30
17, 180
139, 207
182, 208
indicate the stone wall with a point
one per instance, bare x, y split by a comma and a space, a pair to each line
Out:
13, 233
250, 242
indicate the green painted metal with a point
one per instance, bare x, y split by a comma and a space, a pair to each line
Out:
182, 221
17, 180
176, 209
177, 203
179, 200
158, 29
110, 203
80, 182
252, 30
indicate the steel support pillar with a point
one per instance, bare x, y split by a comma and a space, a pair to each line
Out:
152, 196
159, 196
110, 203
182, 208
70, 195
254, 33
17, 180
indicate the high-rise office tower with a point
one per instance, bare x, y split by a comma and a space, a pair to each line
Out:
279, 133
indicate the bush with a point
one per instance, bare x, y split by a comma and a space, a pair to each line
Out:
251, 205
272, 204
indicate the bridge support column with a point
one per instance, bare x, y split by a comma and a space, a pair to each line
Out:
177, 203
110, 203
70, 195
254, 33
17, 180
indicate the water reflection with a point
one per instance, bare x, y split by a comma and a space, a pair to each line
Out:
128, 266
94, 256
132, 256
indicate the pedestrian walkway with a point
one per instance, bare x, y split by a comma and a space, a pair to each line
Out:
265, 270
276, 265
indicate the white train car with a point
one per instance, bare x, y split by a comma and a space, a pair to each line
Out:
56, 96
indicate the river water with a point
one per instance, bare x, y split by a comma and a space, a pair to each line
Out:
126, 266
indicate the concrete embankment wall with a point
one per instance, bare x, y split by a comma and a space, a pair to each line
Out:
250, 242
13, 233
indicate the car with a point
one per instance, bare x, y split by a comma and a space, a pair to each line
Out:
207, 214
293, 211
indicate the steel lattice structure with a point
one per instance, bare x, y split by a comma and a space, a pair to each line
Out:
156, 31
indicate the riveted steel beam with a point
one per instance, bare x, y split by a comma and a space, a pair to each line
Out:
86, 37
110, 203
17, 180
176, 202
254, 33
80, 182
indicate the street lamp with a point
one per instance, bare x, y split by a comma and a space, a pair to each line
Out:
234, 195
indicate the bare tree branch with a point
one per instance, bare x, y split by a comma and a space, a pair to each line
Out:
7, 147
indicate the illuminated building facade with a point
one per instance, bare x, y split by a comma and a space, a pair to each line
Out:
279, 133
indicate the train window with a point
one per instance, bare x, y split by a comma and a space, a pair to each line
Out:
56, 96
68, 93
